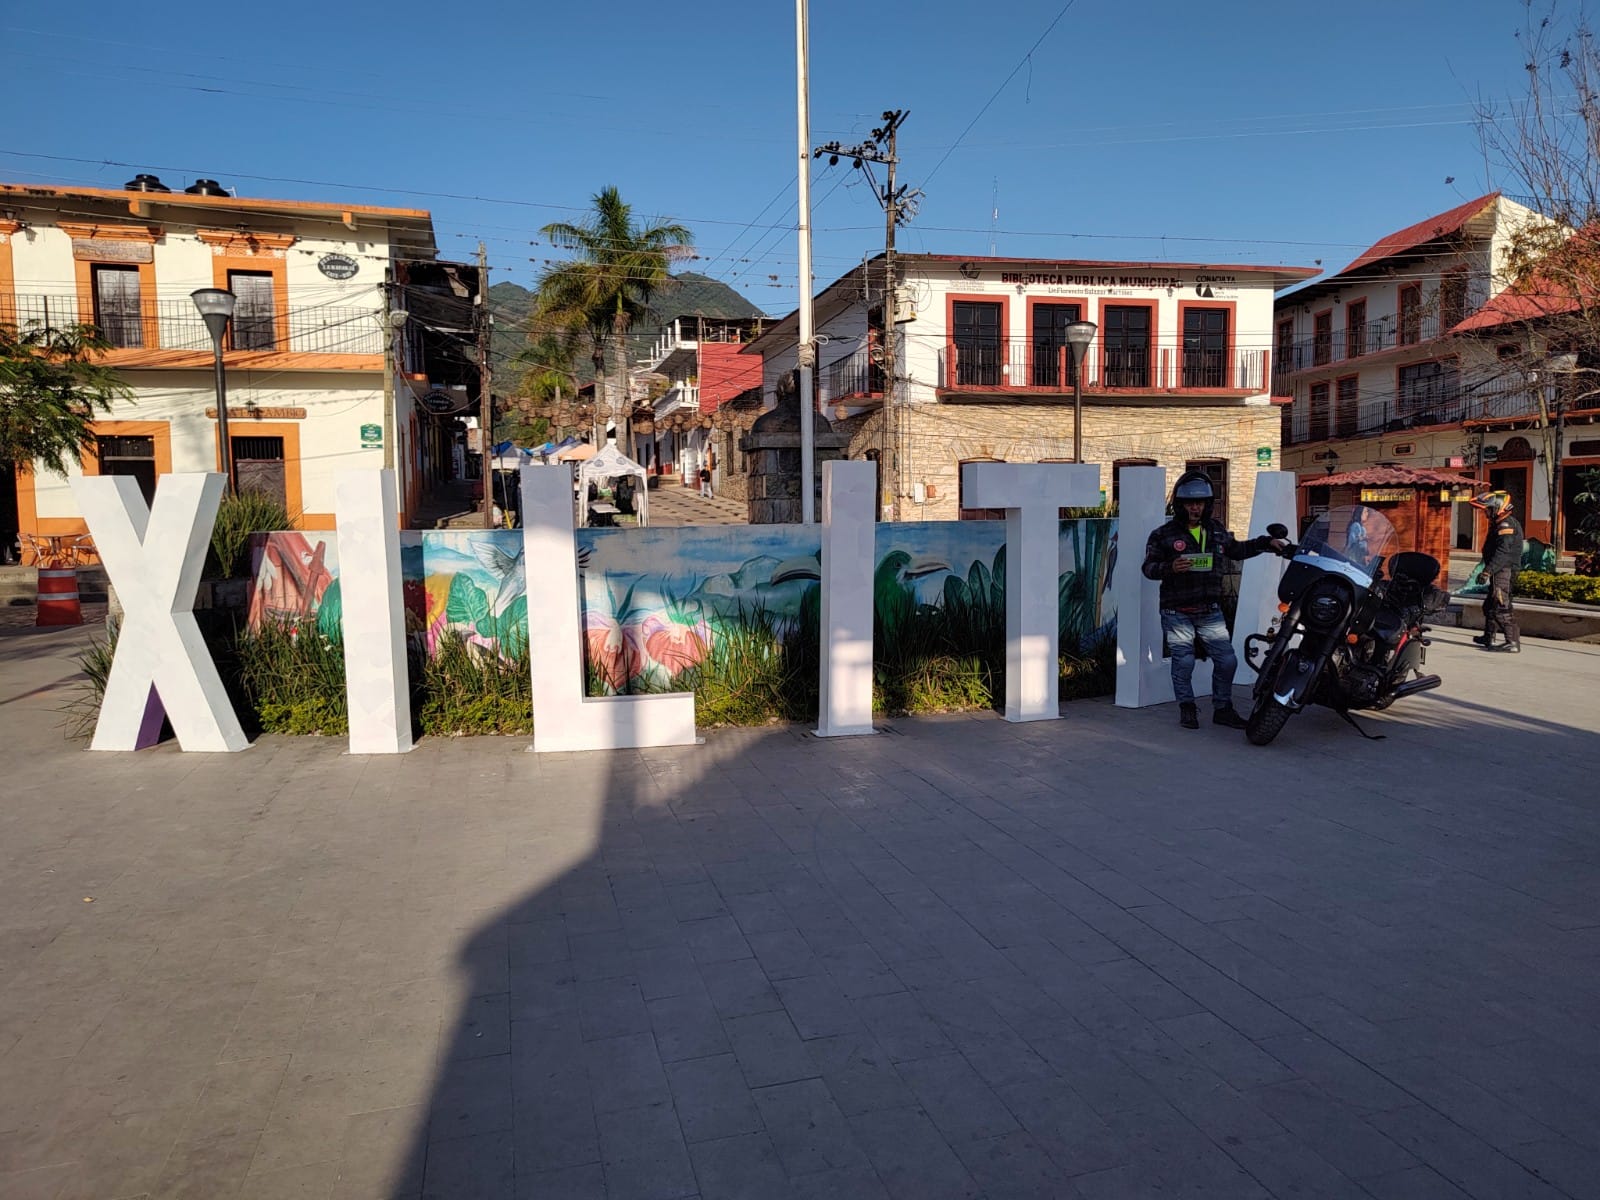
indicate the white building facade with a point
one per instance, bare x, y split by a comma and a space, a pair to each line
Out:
312, 360
1177, 375
1379, 373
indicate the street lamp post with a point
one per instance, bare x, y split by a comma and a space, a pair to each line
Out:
216, 310
1079, 335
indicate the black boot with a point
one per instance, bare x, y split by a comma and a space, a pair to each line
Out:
1485, 639
1188, 716
1227, 718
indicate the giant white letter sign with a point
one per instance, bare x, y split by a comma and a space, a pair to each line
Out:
849, 492
1258, 583
154, 559
1033, 495
563, 718
1143, 674
375, 681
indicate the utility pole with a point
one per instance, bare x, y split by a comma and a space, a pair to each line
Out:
898, 204
891, 410
806, 351
485, 393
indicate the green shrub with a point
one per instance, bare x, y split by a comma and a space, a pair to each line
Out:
942, 684
1091, 674
237, 518
470, 688
760, 669
293, 680
1576, 589
82, 708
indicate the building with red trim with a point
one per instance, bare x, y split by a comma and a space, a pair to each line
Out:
1418, 355
1177, 374
325, 370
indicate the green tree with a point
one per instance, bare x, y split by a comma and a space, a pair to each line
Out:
594, 299
51, 387
547, 375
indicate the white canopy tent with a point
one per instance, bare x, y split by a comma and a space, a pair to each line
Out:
611, 463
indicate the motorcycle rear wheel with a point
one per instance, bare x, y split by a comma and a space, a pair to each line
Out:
1266, 723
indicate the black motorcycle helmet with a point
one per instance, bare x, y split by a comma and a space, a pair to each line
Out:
1193, 485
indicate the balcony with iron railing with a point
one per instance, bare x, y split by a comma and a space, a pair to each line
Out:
1017, 368
858, 376
1345, 345
172, 328
1445, 401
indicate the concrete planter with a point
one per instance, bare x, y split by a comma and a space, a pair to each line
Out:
1553, 619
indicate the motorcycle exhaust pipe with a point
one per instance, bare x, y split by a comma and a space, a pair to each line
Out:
1425, 683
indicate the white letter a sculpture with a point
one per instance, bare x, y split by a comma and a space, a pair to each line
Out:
154, 559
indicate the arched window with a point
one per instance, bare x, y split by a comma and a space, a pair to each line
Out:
1516, 449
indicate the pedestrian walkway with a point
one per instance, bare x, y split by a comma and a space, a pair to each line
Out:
450, 506
1092, 958
671, 503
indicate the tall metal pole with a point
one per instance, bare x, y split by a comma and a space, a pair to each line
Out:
485, 394
806, 352
222, 415
891, 408
1077, 407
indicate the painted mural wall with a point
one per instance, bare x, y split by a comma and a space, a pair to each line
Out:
657, 602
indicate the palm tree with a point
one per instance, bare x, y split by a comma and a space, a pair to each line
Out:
598, 296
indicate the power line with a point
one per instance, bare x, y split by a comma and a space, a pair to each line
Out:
1020, 64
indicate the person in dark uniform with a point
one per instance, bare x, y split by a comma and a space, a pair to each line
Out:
1502, 555
1182, 555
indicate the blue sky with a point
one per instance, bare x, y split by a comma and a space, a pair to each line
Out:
1222, 132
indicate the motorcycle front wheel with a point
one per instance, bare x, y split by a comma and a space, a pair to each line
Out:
1266, 722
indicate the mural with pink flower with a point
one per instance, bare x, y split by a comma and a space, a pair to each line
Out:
659, 604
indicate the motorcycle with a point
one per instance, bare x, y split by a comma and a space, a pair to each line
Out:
1348, 635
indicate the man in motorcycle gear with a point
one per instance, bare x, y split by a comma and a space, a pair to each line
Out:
1182, 555
1502, 554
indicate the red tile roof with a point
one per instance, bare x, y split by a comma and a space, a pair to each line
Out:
1419, 477
1422, 232
1540, 295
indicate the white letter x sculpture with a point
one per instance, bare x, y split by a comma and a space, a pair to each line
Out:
154, 559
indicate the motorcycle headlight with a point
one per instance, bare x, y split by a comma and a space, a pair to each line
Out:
1324, 611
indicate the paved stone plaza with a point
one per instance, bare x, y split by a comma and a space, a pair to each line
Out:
1087, 959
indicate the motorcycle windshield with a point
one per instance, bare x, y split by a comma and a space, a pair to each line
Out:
1351, 533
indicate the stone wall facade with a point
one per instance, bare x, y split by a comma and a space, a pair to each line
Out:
939, 437
733, 480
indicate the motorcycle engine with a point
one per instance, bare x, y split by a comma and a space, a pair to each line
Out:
1361, 684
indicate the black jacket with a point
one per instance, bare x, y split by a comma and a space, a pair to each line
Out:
1502, 548
1194, 589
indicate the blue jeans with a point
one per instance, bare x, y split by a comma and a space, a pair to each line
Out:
1181, 630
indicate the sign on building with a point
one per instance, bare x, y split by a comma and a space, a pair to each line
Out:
371, 437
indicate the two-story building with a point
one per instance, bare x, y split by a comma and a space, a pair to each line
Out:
1386, 364
1177, 373
321, 369
700, 359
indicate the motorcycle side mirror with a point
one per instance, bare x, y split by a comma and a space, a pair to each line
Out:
1277, 530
